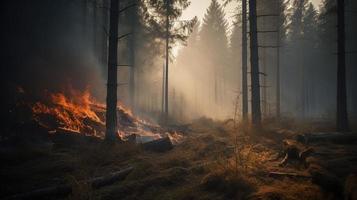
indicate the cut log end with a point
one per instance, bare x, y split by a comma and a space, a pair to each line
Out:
160, 145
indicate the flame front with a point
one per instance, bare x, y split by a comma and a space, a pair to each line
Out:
81, 113
70, 113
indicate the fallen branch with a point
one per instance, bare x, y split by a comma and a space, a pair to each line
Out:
334, 137
66, 189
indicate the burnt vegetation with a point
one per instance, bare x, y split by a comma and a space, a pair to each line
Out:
141, 99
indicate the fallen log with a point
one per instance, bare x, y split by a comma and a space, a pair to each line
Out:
159, 145
289, 174
333, 137
66, 189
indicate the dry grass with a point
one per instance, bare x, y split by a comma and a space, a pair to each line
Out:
288, 189
215, 161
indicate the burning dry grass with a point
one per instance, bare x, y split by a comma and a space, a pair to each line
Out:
70, 113
79, 113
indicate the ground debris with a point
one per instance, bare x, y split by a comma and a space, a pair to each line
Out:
63, 190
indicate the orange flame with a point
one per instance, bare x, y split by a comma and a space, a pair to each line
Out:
81, 113
70, 113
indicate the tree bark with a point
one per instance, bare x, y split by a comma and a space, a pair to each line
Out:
104, 49
132, 59
94, 26
254, 60
167, 64
111, 114
244, 61
278, 65
85, 21
341, 118
163, 90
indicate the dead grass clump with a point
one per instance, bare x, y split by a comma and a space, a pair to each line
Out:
103, 154
288, 190
228, 183
141, 169
178, 157
81, 190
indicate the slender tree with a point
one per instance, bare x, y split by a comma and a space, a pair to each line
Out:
214, 43
163, 89
254, 60
281, 36
244, 61
296, 44
111, 114
309, 43
341, 119
167, 60
94, 27
163, 21
133, 18
104, 41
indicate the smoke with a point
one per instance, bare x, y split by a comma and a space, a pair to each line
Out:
46, 48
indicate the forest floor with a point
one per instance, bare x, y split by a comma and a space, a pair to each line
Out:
214, 161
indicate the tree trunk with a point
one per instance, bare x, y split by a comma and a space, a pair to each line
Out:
254, 60
111, 114
104, 49
167, 64
85, 21
341, 118
132, 59
244, 61
278, 65
94, 26
264, 86
163, 90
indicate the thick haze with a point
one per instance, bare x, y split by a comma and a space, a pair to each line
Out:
45, 46
199, 7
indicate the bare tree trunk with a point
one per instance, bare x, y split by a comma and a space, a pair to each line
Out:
215, 88
85, 21
94, 26
278, 65
167, 64
132, 59
341, 119
254, 60
244, 61
111, 114
278, 81
104, 48
264, 86
303, 87
163, 90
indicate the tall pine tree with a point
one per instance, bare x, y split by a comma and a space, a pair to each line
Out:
214, 44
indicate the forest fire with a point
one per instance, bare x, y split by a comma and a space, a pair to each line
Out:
80, 113
69, 113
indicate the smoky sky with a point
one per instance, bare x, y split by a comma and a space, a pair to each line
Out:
44, 47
